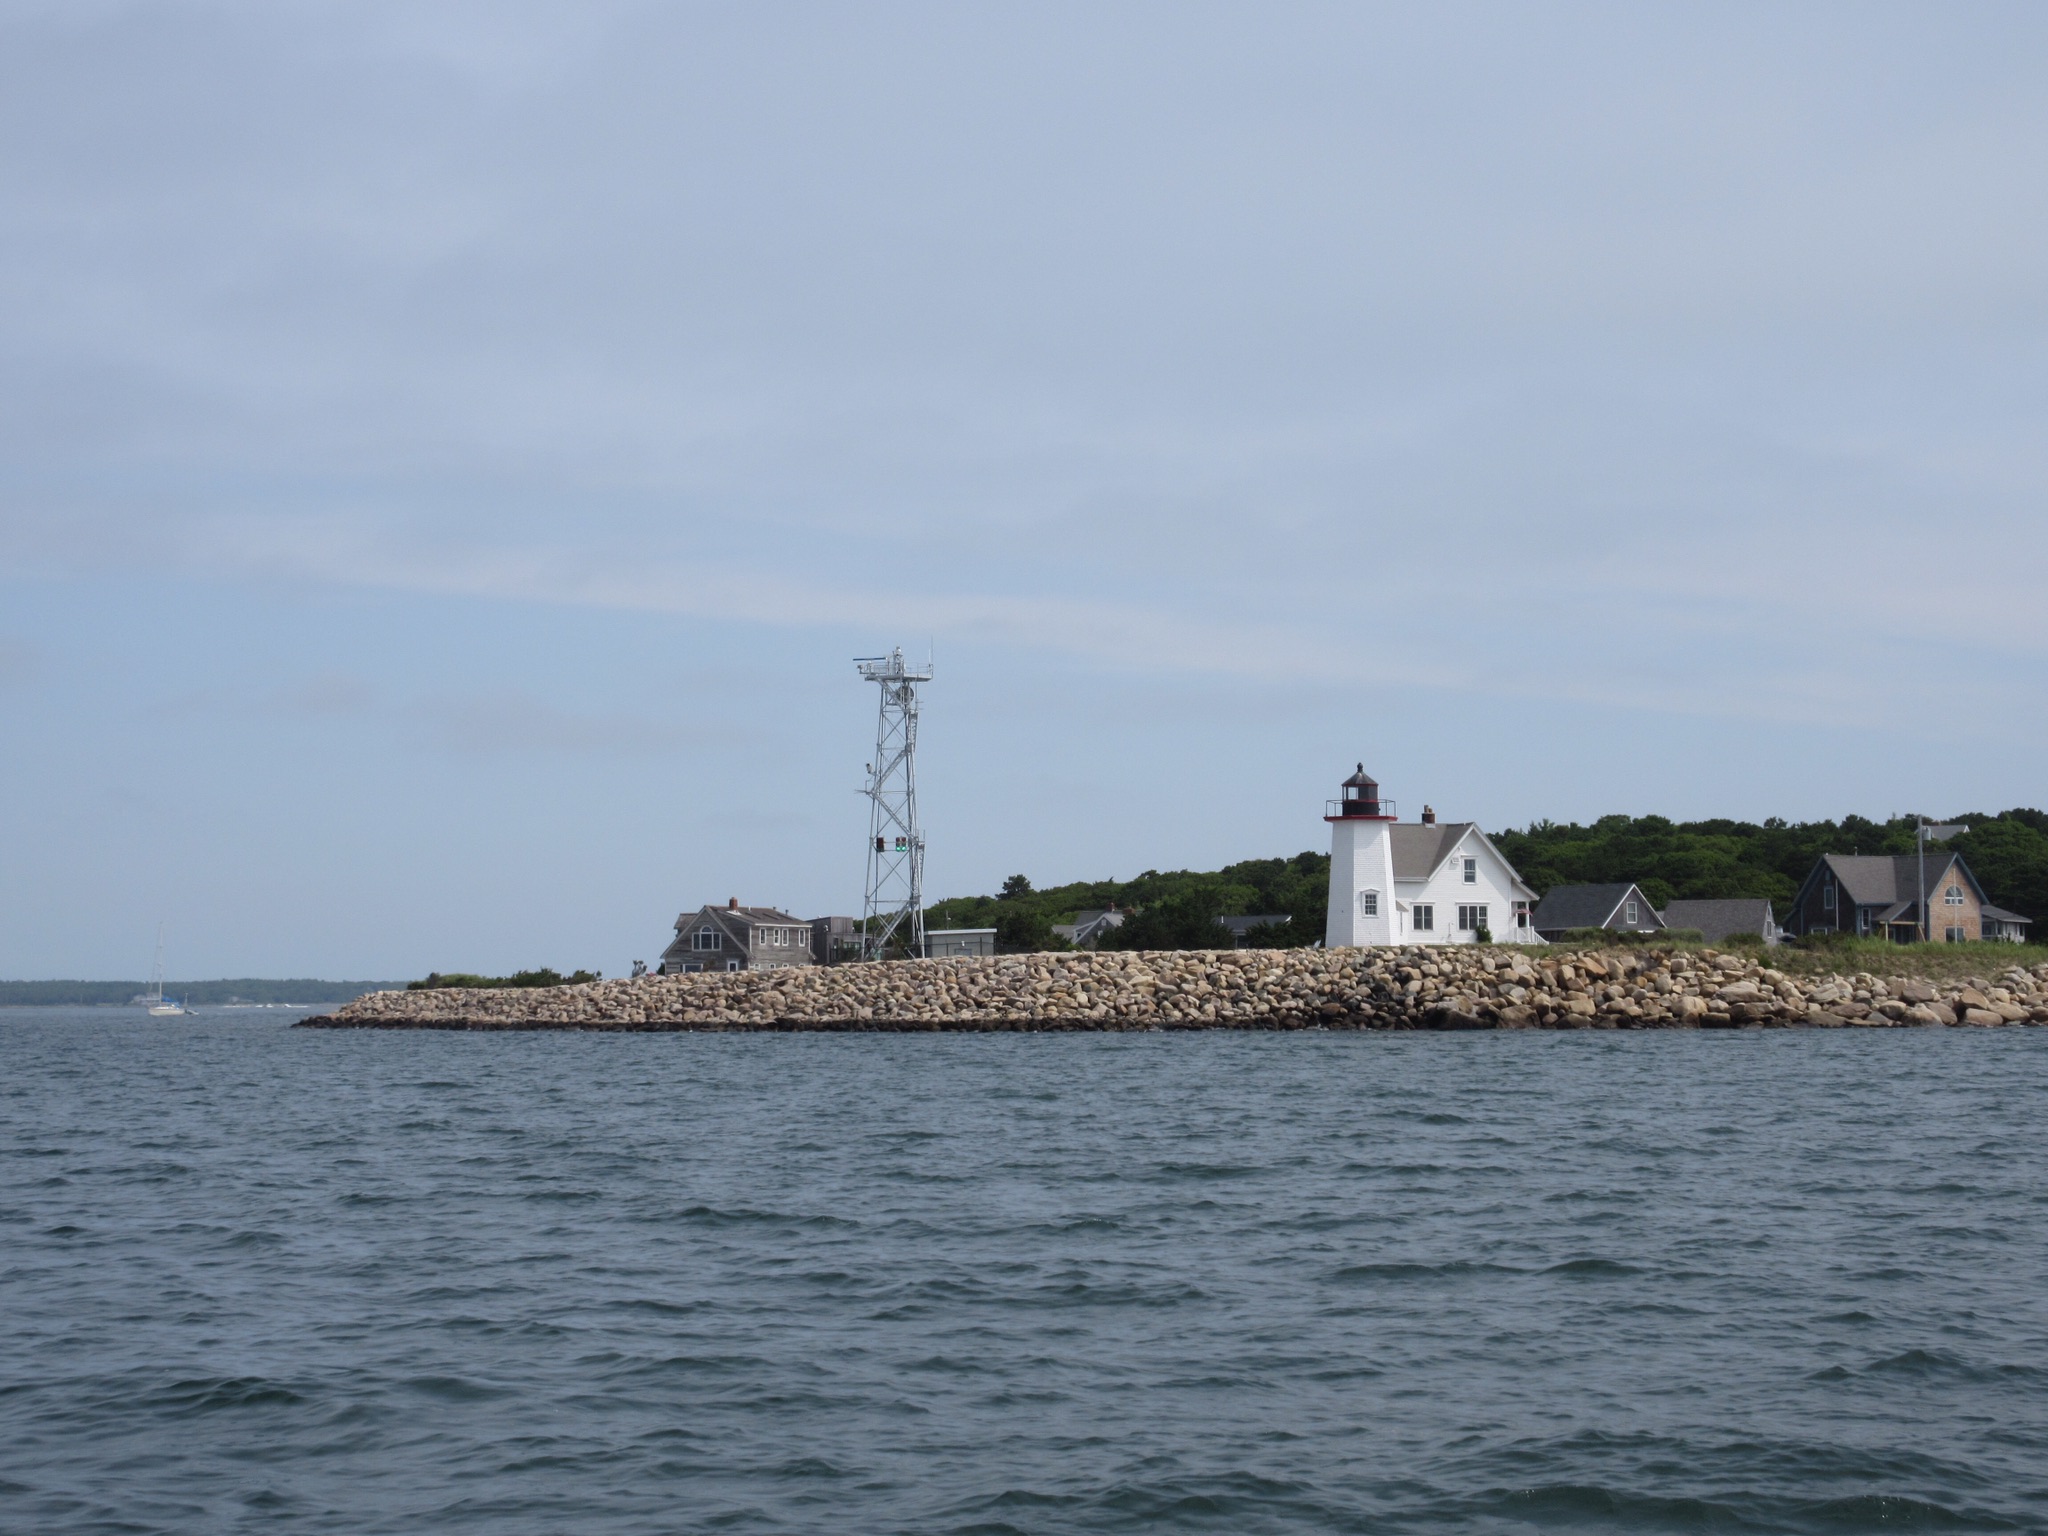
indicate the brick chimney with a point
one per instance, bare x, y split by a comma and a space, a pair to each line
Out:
732, 903
1429, 815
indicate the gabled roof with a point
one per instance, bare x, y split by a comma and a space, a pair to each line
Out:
736, 920
1420, 848
1717, 919
2000, 915
1586, 906
1889, 879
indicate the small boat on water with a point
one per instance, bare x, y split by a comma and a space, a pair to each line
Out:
159, 1005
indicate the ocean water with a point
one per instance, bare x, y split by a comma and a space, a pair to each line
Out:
254, 1279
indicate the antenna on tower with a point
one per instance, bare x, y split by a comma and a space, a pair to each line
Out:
893, 909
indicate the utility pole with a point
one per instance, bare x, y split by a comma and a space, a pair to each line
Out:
893, 909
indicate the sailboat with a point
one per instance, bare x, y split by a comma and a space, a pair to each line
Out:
159, 1005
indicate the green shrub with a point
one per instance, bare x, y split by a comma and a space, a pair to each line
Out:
543, 977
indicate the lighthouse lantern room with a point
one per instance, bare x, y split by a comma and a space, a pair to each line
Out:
1361, 798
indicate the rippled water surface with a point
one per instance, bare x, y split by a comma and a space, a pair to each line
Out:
258, 1279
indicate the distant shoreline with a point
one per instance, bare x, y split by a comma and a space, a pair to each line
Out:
288, 991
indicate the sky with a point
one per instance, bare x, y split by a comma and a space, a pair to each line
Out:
450, 455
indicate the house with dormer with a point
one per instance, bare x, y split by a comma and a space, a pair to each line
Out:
1898, 897
1426, 882
737, 938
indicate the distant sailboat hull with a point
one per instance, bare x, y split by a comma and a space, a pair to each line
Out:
159, 1005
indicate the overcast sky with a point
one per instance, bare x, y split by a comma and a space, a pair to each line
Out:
449, 455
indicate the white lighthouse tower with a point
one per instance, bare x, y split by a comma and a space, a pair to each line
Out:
1361, 865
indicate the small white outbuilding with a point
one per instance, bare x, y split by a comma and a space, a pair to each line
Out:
1424, 882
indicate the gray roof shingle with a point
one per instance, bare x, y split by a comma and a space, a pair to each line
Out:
1419, 848
1717, 919
1885, 879
1584, 906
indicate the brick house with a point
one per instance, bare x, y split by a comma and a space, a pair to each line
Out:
1881, 896
737, 938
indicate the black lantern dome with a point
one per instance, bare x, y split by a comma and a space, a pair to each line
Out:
1362, 797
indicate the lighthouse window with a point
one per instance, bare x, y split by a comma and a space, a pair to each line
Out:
1471, 871
1368, 903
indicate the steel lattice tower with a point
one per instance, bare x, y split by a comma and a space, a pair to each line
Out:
893, 911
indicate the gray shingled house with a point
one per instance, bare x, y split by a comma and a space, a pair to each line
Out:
1880, 895
1618, 908
737, 938
1087, 927
1716, 920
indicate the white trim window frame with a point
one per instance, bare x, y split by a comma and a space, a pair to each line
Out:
1471, 870
1422, 917
1368, 903
706, 937
1471, 917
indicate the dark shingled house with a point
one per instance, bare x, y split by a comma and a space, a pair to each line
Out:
1619, 908
1715, 920
1880, 895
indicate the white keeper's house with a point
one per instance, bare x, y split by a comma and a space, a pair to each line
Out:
1427, 882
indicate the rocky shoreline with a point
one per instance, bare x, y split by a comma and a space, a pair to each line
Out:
1414, 988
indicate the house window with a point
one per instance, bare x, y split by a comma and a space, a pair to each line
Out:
1471, 919
1863, 920
1471, 871
1368, 903
732, 965
691, 965
1425, 917
1955, 896
704, 938
1827, 894
1956, 936
1632, 915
